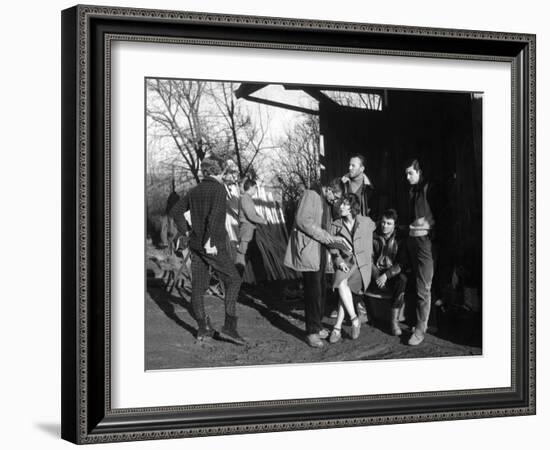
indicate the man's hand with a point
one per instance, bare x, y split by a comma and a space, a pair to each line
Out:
339, 240
343, 267
421, 223
366, 179
381, 280
343, 240
210, 250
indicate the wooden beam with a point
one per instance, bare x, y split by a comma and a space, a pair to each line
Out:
282, 105
245, 89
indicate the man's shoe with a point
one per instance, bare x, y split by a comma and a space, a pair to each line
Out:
229, 331
395, 328
355, 327
314, 340
417, 337
323, 334
205, 330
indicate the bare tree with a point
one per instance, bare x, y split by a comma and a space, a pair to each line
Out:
299, 166
174, 110
244, 137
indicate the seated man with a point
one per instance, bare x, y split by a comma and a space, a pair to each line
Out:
387, 276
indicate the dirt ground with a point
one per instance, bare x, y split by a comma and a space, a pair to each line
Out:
274, 329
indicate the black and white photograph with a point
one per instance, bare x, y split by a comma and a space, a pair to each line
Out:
300, 223
275, 225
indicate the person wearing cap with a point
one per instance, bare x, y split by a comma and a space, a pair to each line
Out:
207, 204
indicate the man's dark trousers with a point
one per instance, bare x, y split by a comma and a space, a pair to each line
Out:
421, 258
395, 286
315, 294
223, 265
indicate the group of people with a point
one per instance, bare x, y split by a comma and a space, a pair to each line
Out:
332, 234
347, 243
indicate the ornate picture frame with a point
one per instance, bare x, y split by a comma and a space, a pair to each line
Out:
88, 33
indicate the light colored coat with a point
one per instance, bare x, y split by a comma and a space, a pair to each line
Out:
303, 252
361, 243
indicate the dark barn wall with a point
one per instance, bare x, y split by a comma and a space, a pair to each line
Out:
444, 131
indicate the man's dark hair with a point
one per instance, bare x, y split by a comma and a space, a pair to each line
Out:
212, 166
390, 214
414, 163
315, 186
248, 183
354, 203
359, 157
336, 185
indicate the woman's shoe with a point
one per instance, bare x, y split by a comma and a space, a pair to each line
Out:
335, 336
355, 327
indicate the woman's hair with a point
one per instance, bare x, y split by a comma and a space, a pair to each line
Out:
354, 204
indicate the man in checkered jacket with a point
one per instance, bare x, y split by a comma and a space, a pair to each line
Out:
207, 203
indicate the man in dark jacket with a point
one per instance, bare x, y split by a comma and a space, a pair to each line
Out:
356, 182
207, 203
424, 207
387, 266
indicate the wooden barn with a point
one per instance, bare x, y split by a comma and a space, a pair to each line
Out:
389, 126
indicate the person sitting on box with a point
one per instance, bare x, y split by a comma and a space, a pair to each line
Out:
352, 264
388, 261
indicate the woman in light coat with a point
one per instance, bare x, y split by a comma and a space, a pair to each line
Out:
352, 267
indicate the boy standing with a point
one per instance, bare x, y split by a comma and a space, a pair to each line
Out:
248, 219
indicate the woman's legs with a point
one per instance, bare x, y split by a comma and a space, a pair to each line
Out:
340, 317
345, 305
346, 298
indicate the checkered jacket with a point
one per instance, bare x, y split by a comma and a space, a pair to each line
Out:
207, 203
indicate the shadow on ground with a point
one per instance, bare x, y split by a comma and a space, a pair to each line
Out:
274, 330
